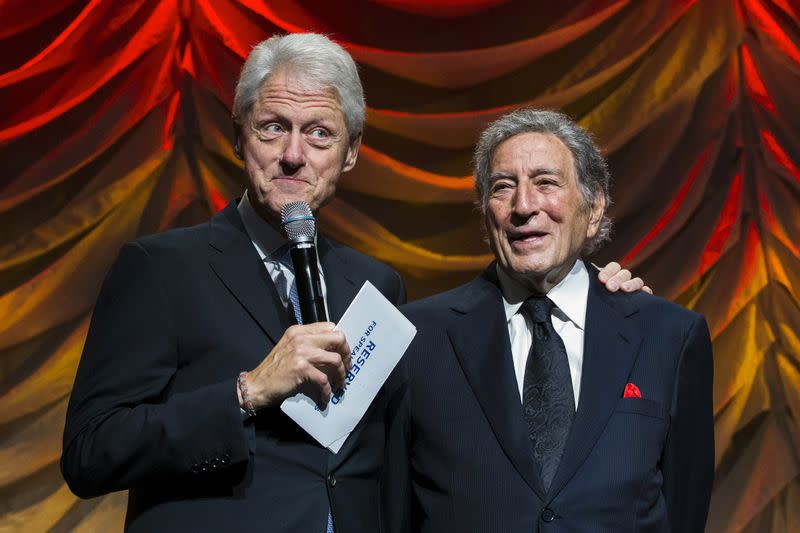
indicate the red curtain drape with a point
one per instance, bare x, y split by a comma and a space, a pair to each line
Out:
115, 122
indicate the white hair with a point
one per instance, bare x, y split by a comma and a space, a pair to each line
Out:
316, 62
590, 166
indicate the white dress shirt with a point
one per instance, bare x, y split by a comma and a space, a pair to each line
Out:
267, 241
569, 319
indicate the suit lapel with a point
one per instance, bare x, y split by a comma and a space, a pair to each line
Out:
237, 264
481, 344
610, 348
341, 282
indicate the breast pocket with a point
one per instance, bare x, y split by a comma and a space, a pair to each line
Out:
641, 406
634, 437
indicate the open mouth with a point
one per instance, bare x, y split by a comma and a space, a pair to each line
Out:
526, 235
527, 238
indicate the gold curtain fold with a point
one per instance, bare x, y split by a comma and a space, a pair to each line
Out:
116, 123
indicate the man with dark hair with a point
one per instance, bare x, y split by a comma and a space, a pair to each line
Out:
537, 400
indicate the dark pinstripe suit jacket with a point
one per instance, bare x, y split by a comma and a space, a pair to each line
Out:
459, 456
154, 406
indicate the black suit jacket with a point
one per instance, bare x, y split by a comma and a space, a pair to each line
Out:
154, 406
459, 457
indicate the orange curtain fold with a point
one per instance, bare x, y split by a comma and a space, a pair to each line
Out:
116, 123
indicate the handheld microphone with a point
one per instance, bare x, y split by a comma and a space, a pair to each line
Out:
300, 227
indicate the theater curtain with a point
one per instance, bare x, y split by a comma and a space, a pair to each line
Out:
115, 122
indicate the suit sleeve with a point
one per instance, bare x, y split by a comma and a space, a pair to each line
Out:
123, 426
396, 481
398, 291
395, 487
688, 459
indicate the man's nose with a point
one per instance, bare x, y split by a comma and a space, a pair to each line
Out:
293, 156
527, 200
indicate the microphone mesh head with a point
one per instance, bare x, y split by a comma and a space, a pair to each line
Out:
297, 220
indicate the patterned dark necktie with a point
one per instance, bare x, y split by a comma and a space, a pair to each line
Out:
294, 304
548, 402
293, 307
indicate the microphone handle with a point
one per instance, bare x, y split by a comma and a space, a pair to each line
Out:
306, 275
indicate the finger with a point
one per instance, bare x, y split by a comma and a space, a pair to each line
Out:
336, 376
342, 348
299, 334
320, 390
348, 362
339, 344
622, 276
633, 285
332, 365
330, 340
647, 289
608, 271
311, 329
327, 340
341, 375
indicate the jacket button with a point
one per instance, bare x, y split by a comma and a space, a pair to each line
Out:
331, 480
548, 515
195, 468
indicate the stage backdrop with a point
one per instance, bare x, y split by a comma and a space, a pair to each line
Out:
115, 122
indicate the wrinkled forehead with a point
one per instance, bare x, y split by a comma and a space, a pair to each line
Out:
287, 82
531, 152
299, 99
301, 80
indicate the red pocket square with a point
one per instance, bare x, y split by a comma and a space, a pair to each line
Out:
631, 391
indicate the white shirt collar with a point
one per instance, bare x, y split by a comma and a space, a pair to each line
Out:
266, 238
570, 295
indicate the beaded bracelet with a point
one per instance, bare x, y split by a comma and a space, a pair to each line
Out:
247, 401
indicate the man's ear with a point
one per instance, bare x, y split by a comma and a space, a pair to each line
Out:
484, 230
237, 140
596, 212
352, 154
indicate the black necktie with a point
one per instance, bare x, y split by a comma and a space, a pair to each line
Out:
547, 399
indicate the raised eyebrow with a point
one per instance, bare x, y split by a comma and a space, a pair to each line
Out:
501, 175
319, 122
267, 118
317, 126
546, 170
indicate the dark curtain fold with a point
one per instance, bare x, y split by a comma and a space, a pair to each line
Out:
115, 122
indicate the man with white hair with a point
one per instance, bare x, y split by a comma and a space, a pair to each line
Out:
194, 342
536, 399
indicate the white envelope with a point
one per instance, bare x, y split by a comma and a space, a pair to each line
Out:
378, 335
